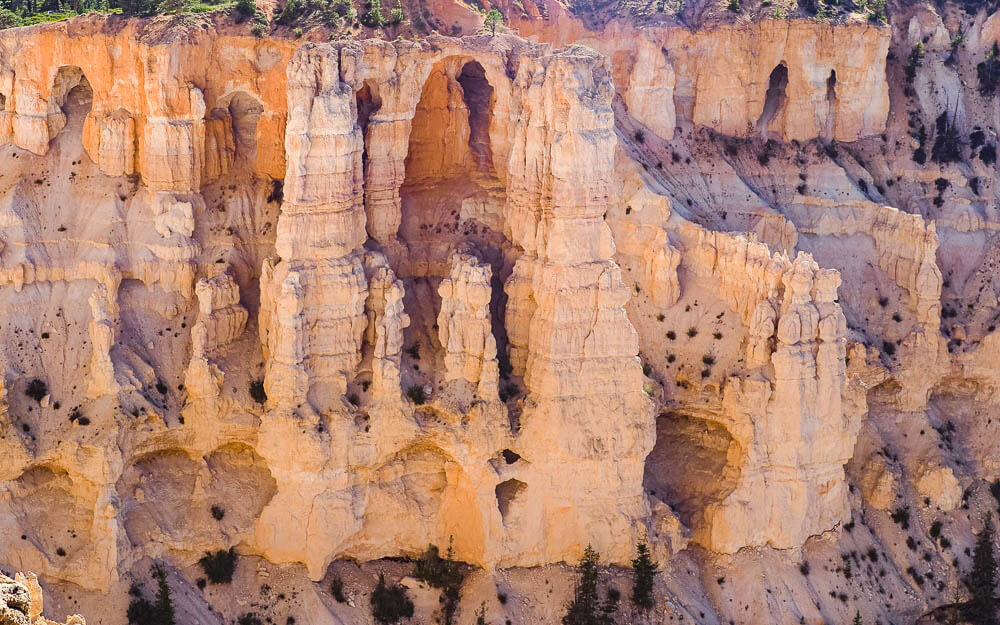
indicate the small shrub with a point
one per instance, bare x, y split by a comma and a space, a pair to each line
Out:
416, 394
989, 71
640, 136
218, 512
935, 529
9, 19
946, 141
219, 566
502, 598
37, 390
692, 332
443, 573
257, 391
901, 516
373, 18
734, 6
245, 8
915, 60
804, 568
249, 618
988, 155
390, 604
337, 590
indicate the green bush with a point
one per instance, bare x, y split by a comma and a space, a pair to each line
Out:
443, 573
9, 19
915, 60
373, 17
291, 10
493, 19
396, 15
416, 394
244, 9
390, 604
219, 566
337, 590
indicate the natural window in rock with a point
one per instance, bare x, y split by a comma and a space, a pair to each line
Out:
509, 456
507, 492
774, 98
708, 454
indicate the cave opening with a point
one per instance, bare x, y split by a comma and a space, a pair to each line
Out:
244, 114
774, 98
72, 95
831, 102
710, 457
368, 102
507, 493
478, 96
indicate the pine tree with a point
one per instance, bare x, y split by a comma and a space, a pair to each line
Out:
644, 570
493, 19
164, 608
481, 614
586, 607
857, 618
982, 580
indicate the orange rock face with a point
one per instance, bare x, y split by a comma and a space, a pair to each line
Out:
335, 301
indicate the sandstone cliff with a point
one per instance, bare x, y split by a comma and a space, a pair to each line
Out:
323, 302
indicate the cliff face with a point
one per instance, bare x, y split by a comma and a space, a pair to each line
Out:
330, 302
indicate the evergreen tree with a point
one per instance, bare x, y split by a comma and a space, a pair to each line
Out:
644, 570
481, 614
586, 607
857, 618
164, 607
493, 19
982, 580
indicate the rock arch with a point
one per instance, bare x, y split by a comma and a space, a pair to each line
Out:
710, 456
71, 98
452, 199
